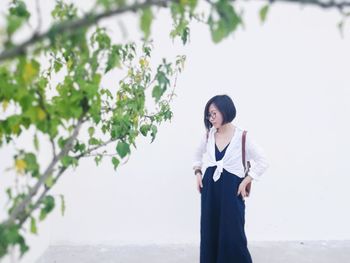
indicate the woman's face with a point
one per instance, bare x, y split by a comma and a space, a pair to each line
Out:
215, 116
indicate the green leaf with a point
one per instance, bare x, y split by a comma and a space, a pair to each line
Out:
115, 162
18, 14
154, 131
157, 92
167, 114
146, 21
107, 92
48, 204
105, 3
23, 247
42, 215
13, 23
9, 193
263, 12
63, 205
144, 129
181, 29
101, 38
64, 11
62, 142
340, 26
68, 160
113, 58
10, 235
123, 149
33, 228
31, 164
79, 147
19, 9
57, 66
192, 4
228, 21
184, 34
36, 142
94, 141
98, 159
49, 181
163, 82
91, 131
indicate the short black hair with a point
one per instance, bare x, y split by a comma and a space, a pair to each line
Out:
226, 107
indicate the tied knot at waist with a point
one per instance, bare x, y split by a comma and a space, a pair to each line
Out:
219, 168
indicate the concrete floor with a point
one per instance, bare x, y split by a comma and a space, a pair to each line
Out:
262, 252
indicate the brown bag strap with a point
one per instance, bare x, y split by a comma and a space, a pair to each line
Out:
243, 148
243, 151
249, 185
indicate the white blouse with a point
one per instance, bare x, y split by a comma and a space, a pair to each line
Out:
232, 160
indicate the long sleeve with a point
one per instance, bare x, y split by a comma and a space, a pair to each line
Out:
199, 151
258, 156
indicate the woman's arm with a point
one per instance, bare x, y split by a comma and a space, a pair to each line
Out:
199, 151
258, 156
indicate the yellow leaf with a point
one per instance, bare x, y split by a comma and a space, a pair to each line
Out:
15, 128
144, 62
5, 103
69, 64
183, 2
20, 165
41, 114
29, 72
121, 96
138, 77
136, 120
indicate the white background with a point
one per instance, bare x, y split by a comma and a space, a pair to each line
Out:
289, 80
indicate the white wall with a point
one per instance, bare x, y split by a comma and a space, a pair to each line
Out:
289, 81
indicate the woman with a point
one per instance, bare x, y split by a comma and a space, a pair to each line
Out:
223, 186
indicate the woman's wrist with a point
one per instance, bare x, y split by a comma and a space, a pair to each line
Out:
249, 178
198, 171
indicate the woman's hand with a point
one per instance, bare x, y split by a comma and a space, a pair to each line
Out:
243, 185
199, 182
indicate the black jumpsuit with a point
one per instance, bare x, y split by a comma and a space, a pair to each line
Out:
222, 233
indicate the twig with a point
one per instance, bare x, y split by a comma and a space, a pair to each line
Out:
87, 20
23, 204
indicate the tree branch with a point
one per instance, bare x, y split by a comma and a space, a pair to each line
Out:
44, 193
91, 18
42, 196
67, 147
38, 12
95, 148
87, 20
322, 4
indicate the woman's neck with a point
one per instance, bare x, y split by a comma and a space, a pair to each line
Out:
224, 128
